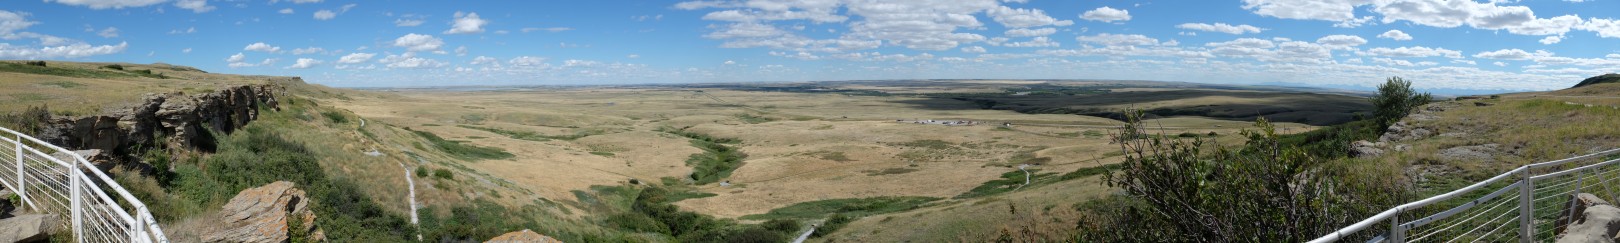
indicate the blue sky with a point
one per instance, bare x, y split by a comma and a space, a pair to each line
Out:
1457, 44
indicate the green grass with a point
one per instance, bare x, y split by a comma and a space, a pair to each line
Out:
603, 154
464, 151
853, 207
335, 116
928, 144
715, 163
890, 171
1009, 181
531, 136
753, 119
29, 97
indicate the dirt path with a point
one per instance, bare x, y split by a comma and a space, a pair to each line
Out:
412, 185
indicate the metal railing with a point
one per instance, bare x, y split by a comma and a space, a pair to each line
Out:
75, 190
1529, 209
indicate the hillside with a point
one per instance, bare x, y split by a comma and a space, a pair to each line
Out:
1600, 79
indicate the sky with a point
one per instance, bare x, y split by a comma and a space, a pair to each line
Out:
1457, 44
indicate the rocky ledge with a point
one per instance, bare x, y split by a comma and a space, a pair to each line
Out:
182, 119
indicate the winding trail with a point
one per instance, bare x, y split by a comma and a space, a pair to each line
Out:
412, 184
1026, 176
804, 236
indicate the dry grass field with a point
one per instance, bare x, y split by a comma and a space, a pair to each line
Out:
800, 146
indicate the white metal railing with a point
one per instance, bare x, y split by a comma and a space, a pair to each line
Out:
73, 190
1530, 209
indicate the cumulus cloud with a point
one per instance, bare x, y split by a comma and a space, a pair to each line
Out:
418, 42
325, 14
1551, 40
285, 11
1221, 27
1030, 32
408, 22
106, 4
1505, 54
308, 50
196, 6
1395, 35
236, 58
1107, 15
109, 32
357, 57
1414, 51
1039, 41
467, 23
480, 60
305, 63
49, 46
410, 60
973, 49
1488, 15
1024, 18
1341, 41
1118, 40
261, 46
527, 61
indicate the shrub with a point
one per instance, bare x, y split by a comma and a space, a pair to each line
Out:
1394, 100
781, 225
335, 116
443, 174
837, 221
36, 63
421, 171
114, 67
1263, 190
464, 151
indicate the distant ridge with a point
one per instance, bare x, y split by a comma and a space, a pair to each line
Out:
1600, 79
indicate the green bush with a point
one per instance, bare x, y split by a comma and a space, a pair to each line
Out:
335, 116
853, 207
781, 225
837, 221
421, 171
464, 151
1265, 189
443, 174
114, 67
1394, 100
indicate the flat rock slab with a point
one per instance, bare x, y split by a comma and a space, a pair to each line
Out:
28, 228
524, 236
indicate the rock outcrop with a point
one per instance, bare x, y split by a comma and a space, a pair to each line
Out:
184, 119
265, 214
28, 228
1597, 221
523, 236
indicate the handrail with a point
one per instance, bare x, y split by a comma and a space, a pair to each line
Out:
1526, 182
138, 226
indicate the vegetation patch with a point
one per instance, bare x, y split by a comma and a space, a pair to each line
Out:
928, 144
716, 162
754, 119
832, 155
890, 171
650, 211
852, 207
463, 151
63, 84
1012, 180
66, 72
532, 136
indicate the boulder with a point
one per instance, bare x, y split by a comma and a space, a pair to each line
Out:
1597, 221
28, 228
1365, 149
1475, 153
263, 214
523, 236
95, 156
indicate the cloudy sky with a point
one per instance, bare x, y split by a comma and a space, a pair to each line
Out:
1455, 44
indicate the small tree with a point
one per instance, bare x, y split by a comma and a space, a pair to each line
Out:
1395, 99
1263, 191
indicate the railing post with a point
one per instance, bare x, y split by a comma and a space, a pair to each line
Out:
1526, 212
76, 201
21, 190
1396, 234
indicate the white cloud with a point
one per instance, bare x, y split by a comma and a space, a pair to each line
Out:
1039, 41
1505, 54
410, 60
236, 58
1395, 35
418, 42
308, 50
109, 32
357, 57
461, 51
633, 56
1107, 15
1499, 64
1030, 32
1414, 51
1221, 27
1435, 13
973, 49
1606, 28
1341, 41
74, 50
408, 22
325, 14
305, 63
729, 62
527, 61
285, 11
484, 60
1551, 40
302, 1
261, 46
106, 4
551, 29
196, 6
1118, 40
187, 50
186, 31
1024, 18
467, 23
